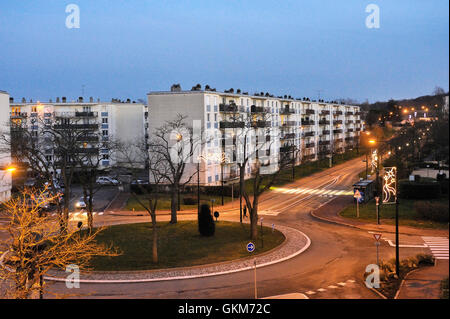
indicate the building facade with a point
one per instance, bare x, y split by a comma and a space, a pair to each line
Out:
102, 122
310, 130
5, 154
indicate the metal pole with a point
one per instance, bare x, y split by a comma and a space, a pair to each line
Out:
357, 208
221, 172
367, 166
198, 186
397, 260
256, 291
378, 245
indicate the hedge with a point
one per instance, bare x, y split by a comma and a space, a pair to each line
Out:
437, 212
419, 190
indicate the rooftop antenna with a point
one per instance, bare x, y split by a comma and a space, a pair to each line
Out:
318, 94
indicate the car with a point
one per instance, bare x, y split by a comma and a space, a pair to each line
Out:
106, 180
81, 203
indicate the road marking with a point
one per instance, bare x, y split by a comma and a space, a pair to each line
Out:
321, 289
341, 284
310, 292
351, 281
268, 213
438, 246
332, 287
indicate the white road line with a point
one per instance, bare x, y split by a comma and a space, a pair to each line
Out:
332, 287
341, 284
321, 289
438, 246
310, 292
351, 280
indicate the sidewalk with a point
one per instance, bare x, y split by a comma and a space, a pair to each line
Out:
325, 214
424, 283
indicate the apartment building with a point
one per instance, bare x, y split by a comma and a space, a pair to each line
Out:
103, 122
308, 129
5, 154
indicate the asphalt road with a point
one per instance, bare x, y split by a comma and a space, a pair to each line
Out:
332, 267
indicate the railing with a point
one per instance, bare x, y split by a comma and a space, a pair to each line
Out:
324, 122
348, 113
231, 108
337, 122
86, 114
307, 134
337, 113
337, 131
224, 125
18, 114
309, 145
287, 111
289, 123
309, 111
307, 122
260, 124
350, 130
324, 142
258, 109
76, 126
288, 136
325, 113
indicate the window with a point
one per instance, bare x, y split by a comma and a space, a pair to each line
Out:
105, 132
208, 108
209, 179
208, 117
105, 120
215, 117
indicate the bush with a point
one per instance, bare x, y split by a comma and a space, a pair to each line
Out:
419, 190
189, 200
206, 225
437, 212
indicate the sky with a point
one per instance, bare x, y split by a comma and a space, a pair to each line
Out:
124, 49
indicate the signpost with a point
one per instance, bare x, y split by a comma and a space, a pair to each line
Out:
377, 205
358, 196
377, 244
250, 249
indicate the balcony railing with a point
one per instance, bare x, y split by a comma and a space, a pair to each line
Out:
325, 113
18, 114
337, 112
86, 114
350, 138
288, 136
307, 134
224, 125
261, 124
228, 108
307, 122
348, 113
324, 142
309, 145
289, 123
258, 109
337, 131
286, 149
324, 122
350, 130
338, 140
309, 111
325, 132
76, 126
349, 122
287, 111
337, 122
88, 138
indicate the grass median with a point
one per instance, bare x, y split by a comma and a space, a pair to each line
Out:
179, 245
408, 216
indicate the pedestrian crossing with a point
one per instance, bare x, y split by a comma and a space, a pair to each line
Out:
438, 246
323, 192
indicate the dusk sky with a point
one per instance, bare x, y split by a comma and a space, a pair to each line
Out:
124, 49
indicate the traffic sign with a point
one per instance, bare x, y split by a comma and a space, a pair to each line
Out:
250, 247
377, 236
357, 194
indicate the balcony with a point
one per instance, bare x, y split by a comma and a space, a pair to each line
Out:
337, 122
349, 122
86, 114
337, 131
88, 138
288, 136
309, 145
357, 129
309, 157
228, 108
337, 113
338, 140
17, 115
308, 134
258, 109
324, 122
260, 124
358, 121
286, 149
325, 113
309, 111
347, 139
349, 130
289, 123
76, 127
307, 122
348, 113
324, 142
287, 111
325, 132
88, 150
224, 125
358, 113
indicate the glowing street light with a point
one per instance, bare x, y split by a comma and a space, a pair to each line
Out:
11, 169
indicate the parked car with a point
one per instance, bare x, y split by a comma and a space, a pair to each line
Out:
81, 203
106, 180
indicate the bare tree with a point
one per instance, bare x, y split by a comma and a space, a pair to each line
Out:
35, 245
174, 145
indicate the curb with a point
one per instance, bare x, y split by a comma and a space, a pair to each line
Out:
92, 281
403, 282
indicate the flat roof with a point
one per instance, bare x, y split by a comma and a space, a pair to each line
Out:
363, 182
243, 95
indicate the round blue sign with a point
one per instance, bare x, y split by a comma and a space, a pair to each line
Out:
250, 247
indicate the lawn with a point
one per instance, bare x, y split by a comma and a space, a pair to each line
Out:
179, 245
164, 202
406, 212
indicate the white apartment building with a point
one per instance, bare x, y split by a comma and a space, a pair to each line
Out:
5, 155
106, 121
314, 128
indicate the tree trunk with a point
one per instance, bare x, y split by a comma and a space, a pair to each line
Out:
173, 205
254, 219
155, 239
241, 189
